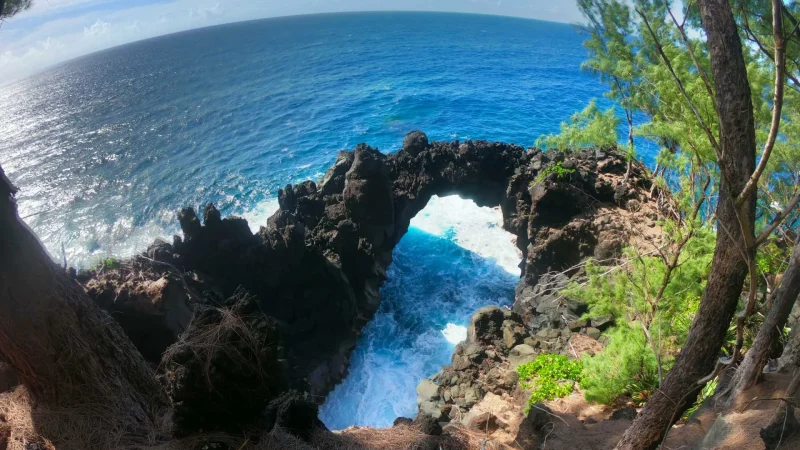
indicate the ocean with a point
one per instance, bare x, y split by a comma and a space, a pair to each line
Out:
106, 148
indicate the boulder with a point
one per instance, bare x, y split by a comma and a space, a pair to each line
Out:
536, 424
521, 354
427, 390
295, 413
431, 409
415, 142
485, 326
513, 333
402, 421
782, 426
427, 424
492, 413
626, 413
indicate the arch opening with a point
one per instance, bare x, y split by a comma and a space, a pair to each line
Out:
455, 258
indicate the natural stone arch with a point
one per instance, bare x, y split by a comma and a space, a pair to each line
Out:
318, 264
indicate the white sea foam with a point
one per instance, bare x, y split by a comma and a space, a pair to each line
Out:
477, 229
454, 333
85, 243
257, 217
434, 286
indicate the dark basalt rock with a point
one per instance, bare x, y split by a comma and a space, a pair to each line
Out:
537, 424
477, 365
152, 306
402, 421
415, 142
318, 263
427, 425
626, 413
786, 426
368, 195
293, 412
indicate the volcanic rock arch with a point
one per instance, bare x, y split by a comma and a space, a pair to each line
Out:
318, 264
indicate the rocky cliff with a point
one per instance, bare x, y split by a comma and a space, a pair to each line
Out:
317, 265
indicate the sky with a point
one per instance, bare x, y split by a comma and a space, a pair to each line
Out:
52, 31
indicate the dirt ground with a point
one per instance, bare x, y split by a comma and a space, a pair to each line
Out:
573, 423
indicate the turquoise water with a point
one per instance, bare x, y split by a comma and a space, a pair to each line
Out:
106, 148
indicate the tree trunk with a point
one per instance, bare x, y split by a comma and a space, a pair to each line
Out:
729, 268
64, 349
783, 299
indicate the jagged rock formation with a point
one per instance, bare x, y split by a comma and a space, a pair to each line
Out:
592, 207
481, 364
317, 265
152, 306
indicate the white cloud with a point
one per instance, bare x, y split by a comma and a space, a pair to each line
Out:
54, 31
206, 13
98, 29
50, 7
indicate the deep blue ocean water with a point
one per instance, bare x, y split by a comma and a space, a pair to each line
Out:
106, 148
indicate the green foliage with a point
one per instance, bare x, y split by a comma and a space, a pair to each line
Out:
706, 393
653, 296
652, 318
626, 366
586, 128
772, 259
110, 263
549, 377
558, 169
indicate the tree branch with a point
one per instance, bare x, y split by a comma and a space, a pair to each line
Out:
777, 106
776, 221
703, 124
700, 70
751, 36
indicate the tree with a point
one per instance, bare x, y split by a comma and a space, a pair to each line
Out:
736, 207
783, 299
10, 8
67, 352
709, 101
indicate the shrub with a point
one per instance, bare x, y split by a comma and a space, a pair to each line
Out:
626, 366
590, 127
110, 263
653, 318
549, 377
558, 169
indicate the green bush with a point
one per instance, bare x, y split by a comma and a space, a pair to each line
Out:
110, 263
626, 366
634, 295
590, 127
558, 169
549, 377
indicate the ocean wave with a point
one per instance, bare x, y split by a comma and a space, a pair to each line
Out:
474, 228
444, 269
257, 216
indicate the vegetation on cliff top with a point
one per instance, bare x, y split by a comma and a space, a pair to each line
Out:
685, 82
549, 377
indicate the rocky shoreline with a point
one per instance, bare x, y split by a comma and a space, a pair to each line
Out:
314, 271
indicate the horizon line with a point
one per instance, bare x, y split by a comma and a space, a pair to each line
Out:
10, 82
